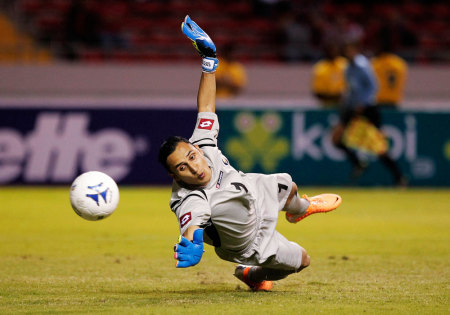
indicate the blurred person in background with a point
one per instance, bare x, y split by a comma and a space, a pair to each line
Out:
270, 8
344, 30
296, 38
359, 101
112, 28
328, 79
82, 24
391, 72
401, 35
231, 77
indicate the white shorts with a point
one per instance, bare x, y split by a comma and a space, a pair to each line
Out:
269, 248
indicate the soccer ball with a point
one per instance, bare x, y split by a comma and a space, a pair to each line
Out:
94, 196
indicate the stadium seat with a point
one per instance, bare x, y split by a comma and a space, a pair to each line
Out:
153, 24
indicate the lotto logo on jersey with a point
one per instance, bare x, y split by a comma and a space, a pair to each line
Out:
205, 123
185, 219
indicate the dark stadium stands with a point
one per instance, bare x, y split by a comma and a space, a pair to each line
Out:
143, 31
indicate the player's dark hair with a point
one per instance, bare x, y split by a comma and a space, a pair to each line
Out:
167, 148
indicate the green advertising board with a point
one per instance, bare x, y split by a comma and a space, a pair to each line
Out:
299, 142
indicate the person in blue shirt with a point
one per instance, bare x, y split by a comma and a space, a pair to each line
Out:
359, 100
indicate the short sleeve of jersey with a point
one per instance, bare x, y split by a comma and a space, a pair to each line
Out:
206, 130
192, 209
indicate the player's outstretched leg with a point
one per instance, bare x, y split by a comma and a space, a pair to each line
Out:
243, 273
317, 204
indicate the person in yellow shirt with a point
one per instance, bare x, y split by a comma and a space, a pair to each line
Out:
231, 77
391, 71
328, 78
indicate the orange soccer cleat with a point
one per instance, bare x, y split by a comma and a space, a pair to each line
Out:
242, 272
319, 203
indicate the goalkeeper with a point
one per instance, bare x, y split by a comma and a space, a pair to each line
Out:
234, 212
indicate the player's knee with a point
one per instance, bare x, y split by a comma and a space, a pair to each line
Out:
292, 193
305, 259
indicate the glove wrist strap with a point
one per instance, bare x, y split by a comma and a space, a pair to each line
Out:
209, 64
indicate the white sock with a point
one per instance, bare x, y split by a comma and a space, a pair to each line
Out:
297, 206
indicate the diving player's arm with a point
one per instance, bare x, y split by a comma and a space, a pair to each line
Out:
192, 211
206, 97
189, 233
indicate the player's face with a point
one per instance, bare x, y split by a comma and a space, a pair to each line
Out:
188, 165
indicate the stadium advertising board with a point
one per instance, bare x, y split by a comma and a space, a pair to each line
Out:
299, 142
52, 146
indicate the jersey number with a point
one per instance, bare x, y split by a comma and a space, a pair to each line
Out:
281, 187
238, 186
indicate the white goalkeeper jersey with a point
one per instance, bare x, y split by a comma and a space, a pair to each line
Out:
238, 211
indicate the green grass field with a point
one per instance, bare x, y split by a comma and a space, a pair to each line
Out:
383, 251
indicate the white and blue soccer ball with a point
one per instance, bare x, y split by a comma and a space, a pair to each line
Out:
94, 195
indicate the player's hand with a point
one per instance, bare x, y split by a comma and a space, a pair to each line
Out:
201, 41
189, 253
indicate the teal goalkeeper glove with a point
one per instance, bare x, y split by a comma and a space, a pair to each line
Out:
189, 253
202, 43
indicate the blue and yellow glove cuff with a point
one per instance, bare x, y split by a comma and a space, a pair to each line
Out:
209, 64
